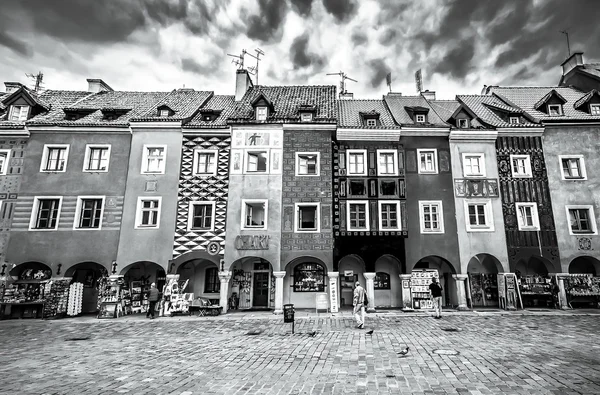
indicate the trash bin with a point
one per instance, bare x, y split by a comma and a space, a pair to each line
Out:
288, 313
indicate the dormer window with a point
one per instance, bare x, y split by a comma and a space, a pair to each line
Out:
18, 113
555, 109
163, 113
420, 118
372, 122
463, 123
514, 120
595, 109
261, 113
207, 118
306, 116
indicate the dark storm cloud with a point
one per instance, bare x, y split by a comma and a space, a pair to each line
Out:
342, 10
457, 61
266, 24
358, 38
15, 44
378, 70
302, 7
301, 57
189, 64
388, 36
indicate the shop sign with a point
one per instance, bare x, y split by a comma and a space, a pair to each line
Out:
348, 273
288, 313
333, 297
321, 301
259, 242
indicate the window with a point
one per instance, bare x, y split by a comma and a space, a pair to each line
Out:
55, 158
427, 161
358, 215
18, 113
479, 216
527, 216
382, 281
254, 214
307, 217
555, 109
256, 161
307, 163
46, 212
201, 216
473, 165
431, 218
520, 165
357, 188
357, 162
4, 161
261, 113
514, 120
205, 162
420, 118
309, 277
572, 167
387, 188
148, 212
163, 113
371, 122
212, 285
463, 123
581, 220
153, 159
595, 109
389, 215
96, 158
306, 117
387, 162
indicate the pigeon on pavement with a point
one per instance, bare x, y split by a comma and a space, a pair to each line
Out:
312, 334
404, 352
370, 332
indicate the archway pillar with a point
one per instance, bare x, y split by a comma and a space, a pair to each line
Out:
224, 277
406, 294
562, 293
333, 291
278, 292
370, 277
461, 284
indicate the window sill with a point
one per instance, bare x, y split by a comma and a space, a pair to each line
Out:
432, 232
146, 227
43, 229
482, 229
53, 171
428, 172
95, 171
522, 176
153, 172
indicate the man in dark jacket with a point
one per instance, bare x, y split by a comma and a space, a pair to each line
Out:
436, 297
152, 298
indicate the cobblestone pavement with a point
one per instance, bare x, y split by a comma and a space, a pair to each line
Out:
246, 354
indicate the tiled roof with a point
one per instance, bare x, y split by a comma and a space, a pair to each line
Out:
397, 103
547, 97
286, 100
527, 97
349, 114
184, 102
585, 98
483, 107
444, 108
592, 68
222, 103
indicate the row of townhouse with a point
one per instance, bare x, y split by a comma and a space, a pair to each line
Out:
279, 193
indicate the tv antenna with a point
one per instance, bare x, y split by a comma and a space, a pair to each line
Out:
238, 60
343, 78
254, 69
566, 33
39, 77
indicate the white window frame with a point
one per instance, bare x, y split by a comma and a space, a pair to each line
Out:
595, 109
380, 212
527, 159
190, 220
460, 123
88, 152
78, 211
481, 159
371, 122
138, 212
581, 167
317, 164
145, 154
367, 219
243, 221
557, 106
35, 209
534, 216
259, 113
247, 153
20, 111
47, 148
362, 152
592, 215
425, 151
306, 116
5, 165
164, 112
514, 120
487, 212
297, 217
197, 153
420, 118
381, 152
438, 203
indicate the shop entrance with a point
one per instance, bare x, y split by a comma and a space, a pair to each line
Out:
582, 285
351, 269
88, 273
203, 276
536, 287
483, 272
138, 278
252, 284
421, 278
261, 289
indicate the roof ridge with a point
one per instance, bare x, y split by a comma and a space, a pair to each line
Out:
293, 86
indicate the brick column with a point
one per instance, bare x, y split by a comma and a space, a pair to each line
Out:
461, 280
370, 277
334, 289
224, 277
407, 304
278, 292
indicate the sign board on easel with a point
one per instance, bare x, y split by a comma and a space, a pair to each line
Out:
321, 302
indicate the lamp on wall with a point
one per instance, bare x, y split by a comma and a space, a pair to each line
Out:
114, 267
58, 268
3, 269
222, 262
171, 266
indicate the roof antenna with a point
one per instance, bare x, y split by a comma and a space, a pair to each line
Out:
252, 69
343, 78
39, 77
566, 33
238, 60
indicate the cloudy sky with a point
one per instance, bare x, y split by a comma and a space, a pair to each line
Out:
165, 44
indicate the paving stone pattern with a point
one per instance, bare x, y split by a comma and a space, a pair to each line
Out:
185, 356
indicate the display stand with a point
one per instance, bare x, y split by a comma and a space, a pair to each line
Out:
484, 289
419, 285
109, 296
537, 291
583, 290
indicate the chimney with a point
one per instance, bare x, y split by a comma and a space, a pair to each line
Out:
12, 86
346, 96
429, 95
96, 85
572, 61
242, 83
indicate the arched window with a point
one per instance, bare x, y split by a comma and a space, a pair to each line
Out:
309, 277
211, 281
382, 280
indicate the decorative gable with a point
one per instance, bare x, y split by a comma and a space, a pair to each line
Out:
462, 118
263, 107
551, 103
589, 103
23, 104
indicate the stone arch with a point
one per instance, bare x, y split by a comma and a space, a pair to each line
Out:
252, 280
446, 270
145, 271
484, 263
534, 265
387, 284
203, 277
87, 273
190, 256
31, 269
585, 264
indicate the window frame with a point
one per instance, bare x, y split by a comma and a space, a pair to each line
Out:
371, 122
79, 207
514, 120
487, 212
20, 118
196, 159
306, 117
362, 152
46, 153
594, 109
534, 216
5, 165
582, 169
440, 229
243, 221
376, 282
138, 212
164, 113
481, 157
35, 210
322, 272
146, 153
367, 218
207, 281
190, 218
88, 153
297, 207
420, 116
259, 116
380, 203
528, 173
380, 153
421, 151
247, 153
317, 164
558, 106
466, 120
592, 219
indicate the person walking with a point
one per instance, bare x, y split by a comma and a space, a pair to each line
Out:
436, 295
358, 301
152, 298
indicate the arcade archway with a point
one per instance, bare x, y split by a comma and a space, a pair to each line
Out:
87, 273
351, 269
421, 275
253, 283
387, 285
585, 265
483, 272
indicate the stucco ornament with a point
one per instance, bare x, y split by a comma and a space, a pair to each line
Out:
585, 243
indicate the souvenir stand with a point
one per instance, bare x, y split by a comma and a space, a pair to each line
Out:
484, 289
419, 287
583, 290
56, 297
110, 296
24, 297
175, 300
538, 291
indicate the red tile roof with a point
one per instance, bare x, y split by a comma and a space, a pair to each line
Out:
349, 114
491, 111
397, 105
223, 103
184, 102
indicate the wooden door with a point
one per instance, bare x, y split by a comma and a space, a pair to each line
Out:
261, 289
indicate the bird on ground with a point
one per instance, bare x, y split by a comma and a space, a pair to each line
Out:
312, 334
404, 352
370, 332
